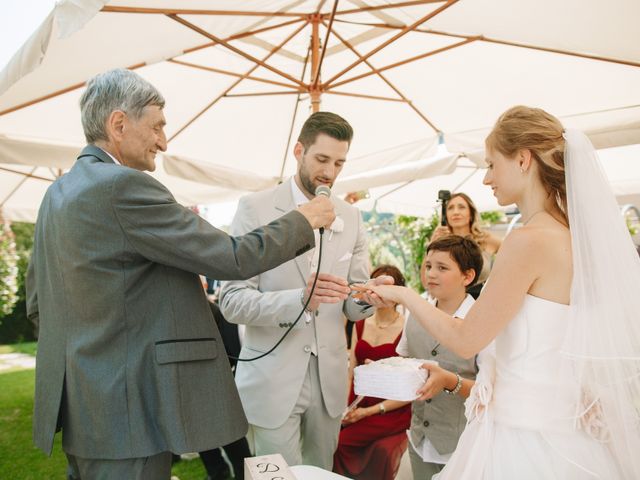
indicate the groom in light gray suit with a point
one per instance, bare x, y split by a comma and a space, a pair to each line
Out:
130, 364
294, 397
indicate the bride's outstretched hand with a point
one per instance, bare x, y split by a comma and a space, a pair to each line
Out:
389, 294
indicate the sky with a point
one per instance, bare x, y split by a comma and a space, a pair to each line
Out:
20, 18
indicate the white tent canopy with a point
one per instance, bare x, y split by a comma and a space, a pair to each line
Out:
237, 77
419, 196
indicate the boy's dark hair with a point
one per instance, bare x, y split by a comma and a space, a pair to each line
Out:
325, 122
385, 269
464, 251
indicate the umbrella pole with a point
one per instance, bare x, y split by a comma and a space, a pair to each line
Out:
314, 89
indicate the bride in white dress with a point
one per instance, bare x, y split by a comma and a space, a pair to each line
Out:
561, 397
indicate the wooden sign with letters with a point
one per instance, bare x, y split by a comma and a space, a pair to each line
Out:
267, 467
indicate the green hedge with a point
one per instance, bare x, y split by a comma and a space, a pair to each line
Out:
15, 327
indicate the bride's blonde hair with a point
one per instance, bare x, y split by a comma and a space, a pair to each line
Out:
539, 132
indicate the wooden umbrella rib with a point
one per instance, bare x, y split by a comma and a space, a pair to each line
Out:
238, 36
57, 93
184, 11
142, 64
320, 5
372, 97
387, 81
236, 50
400, 27
403, 32
15, 189
404, 62
482, 38
261, 94
387, 6
28, 175
249, 72
231, 74
561, 52
316, 79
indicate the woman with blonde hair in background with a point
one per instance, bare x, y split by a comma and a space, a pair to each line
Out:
462, 218
561, 400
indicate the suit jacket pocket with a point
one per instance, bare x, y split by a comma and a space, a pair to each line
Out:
341, 268
186, 350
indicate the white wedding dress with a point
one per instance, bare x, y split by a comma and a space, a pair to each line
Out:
522, 421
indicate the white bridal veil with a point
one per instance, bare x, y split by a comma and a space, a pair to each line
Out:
602, 347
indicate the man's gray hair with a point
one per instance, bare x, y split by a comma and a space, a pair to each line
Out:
117, 89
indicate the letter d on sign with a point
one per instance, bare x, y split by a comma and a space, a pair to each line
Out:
267, 467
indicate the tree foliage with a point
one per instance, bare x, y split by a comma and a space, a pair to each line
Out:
400, 240
14, 325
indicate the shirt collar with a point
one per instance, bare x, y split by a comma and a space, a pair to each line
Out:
299, 198
462, 310
115, 160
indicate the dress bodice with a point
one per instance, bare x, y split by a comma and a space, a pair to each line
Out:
528, 348
524, 412
364, 350
528, 384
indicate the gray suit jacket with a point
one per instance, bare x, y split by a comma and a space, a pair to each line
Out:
130, 362
269, 302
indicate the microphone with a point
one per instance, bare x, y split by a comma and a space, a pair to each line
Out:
325, 192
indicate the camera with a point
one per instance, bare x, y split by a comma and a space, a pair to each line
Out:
443, 197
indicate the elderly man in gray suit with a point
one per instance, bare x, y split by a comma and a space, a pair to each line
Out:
294, 397
130, 364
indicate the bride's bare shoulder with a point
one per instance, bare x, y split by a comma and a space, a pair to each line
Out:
538, 239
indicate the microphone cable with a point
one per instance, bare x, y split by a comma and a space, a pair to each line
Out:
304, 309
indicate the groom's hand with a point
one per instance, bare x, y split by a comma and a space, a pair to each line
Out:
329, 289
372, 298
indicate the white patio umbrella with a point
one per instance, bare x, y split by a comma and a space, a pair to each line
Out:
241, 77
419, 197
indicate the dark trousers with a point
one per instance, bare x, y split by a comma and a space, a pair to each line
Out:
236, 452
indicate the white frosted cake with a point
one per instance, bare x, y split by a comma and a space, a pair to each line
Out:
393, 378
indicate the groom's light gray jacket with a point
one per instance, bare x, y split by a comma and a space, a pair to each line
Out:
128, 351
269, 302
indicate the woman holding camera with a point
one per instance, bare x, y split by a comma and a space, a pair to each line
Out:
462, 219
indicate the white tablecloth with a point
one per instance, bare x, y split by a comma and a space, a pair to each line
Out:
306, 472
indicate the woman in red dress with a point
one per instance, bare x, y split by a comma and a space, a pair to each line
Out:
373, 436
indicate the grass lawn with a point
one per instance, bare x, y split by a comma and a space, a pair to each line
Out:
27, 347
20, 460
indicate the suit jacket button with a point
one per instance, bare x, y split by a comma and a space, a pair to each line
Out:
317, 312
307, 348
426, 423
428, 400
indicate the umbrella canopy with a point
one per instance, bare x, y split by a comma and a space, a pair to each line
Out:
241, 77
419, 197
